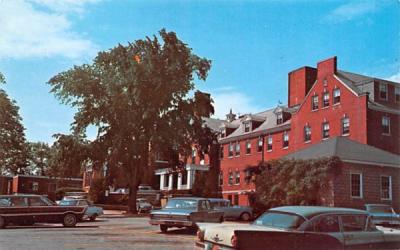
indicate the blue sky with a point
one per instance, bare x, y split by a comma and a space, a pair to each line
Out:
252, 44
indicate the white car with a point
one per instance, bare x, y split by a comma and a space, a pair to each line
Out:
92, 212
301, 227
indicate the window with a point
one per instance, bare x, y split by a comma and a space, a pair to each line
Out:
336, 96
230, 153
194, 153
237, 149
36, 201
353, 223
221, 178
247, 178
279, 118
269, 145
307, 133
397, 93
345, 126
314, 102
236, 199
260, 144
356, 185
221, 152
325, 224
325, 130
285, 139
248, 147
223, 132
383, 91
184, 177
230, 178
326, 99
386, 187
35, 186
386, 125
247, 127
237, 177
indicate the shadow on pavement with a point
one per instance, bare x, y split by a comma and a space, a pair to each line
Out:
40, 226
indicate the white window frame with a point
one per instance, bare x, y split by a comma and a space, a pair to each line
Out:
314, 101
361, 186
383, 86
248, 147
237, 149
307, 131
388, 119
325, 98
231, 150
390, 188
260, 143
285, 139
336, 93
325, 124
247, 125
343, 123
270, 139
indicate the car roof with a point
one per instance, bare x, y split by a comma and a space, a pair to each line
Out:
188, 198
217, 199
311, 211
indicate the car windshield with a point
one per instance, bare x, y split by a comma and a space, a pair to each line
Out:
279, 220
68, 202
180, 203
379, 209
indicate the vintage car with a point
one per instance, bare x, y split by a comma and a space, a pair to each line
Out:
143, 206
301, 227
383, 214
92, 212
185, 212
244, 213
29, 209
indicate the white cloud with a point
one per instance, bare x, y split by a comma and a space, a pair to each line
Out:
349, 11
395, 77
41, 28
227, 98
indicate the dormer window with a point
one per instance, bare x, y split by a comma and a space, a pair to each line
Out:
279, 118
223, 132
383, 91
247, 127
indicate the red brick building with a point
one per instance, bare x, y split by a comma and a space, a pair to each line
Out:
323, 103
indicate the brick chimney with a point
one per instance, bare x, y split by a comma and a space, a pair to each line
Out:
300, 82
326, 67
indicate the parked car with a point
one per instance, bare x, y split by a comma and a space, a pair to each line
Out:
29, 209
244, 213
143, 206
92, 212
301, 227
185, 212
383, 214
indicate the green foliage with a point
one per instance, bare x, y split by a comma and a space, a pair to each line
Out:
13, 151
39, 156
294, 182
69, 154
137, 97
97, 190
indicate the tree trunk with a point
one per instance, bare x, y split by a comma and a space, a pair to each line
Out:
132, 196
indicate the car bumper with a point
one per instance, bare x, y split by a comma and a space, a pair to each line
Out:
172, 223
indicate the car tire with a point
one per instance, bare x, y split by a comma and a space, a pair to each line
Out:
163, 228
93, 217
245, 216
2, 222
69, 220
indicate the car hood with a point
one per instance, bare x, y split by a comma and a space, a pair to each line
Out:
175, 211
222, 233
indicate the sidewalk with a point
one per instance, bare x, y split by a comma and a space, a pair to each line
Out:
120, 214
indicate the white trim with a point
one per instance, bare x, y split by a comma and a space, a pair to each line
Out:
351, 90
390, 188
238, 191
361, 186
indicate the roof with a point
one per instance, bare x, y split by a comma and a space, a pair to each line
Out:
268, 125
213, 124
348, 151
311, 211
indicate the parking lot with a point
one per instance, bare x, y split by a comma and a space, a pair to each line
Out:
109, 232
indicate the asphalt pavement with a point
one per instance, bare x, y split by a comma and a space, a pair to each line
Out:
114, 230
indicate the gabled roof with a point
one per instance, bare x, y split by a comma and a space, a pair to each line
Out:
348, 151
268, 125
213, 124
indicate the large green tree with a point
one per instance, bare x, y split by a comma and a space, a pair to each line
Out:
39, 155
138, 96
12, 138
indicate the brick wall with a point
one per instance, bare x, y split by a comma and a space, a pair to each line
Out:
376, 137
371, 186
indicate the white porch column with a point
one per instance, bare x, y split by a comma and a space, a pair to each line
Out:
179, 181
190, 178
162, 181
170, 182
